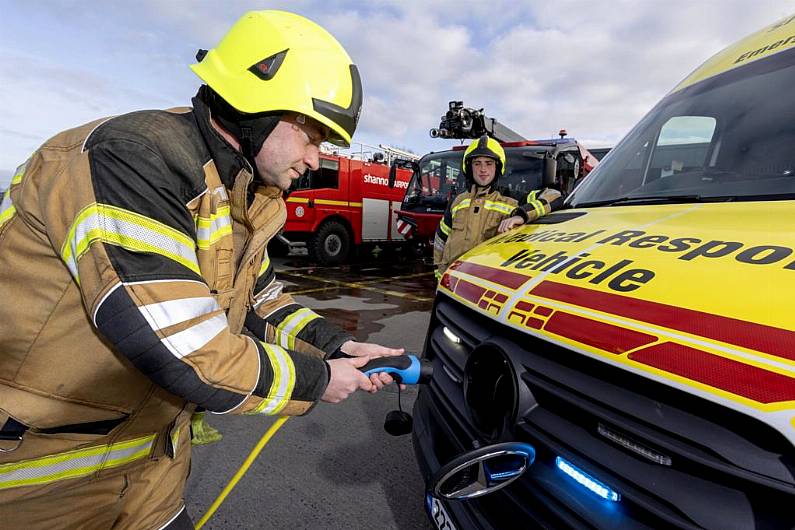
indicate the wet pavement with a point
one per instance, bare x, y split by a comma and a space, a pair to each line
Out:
335, 467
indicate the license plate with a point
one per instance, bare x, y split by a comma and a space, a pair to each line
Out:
439, 516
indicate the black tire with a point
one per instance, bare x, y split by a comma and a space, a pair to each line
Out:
331, 244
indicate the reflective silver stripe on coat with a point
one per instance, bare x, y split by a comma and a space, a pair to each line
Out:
498, 207
292, 325
164, 314
463, 204
74, 464
283, 381
7, 209
194, 338
210, 230
126, 229
538, 206
438, 243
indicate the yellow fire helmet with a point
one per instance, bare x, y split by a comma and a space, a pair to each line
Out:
485, 146
273, 61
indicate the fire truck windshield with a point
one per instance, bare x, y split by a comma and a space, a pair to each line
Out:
440, 178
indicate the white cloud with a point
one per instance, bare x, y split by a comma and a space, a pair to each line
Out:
592, 67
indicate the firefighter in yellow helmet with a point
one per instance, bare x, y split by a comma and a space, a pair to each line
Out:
137, 245
481, 212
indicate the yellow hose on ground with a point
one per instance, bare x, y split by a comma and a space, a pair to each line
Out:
242, 470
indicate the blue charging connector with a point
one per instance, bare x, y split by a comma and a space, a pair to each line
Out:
406, 369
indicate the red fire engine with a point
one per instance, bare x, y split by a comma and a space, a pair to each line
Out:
346, 202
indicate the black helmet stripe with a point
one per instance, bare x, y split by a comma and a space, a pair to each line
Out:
482, 149
347, 118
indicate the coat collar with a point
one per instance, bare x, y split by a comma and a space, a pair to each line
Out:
228, 161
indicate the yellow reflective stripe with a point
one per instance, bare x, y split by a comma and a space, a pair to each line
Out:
538, 206
443, 226
129, 230
531, 196
73, 464
7, 209
305, 200
337, 203
210, 230
283, 383
20, 171
498, 207
460, 205
266, 262
175, 440
292, 325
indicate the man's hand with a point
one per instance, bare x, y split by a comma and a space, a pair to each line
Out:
510, 223
345, 379
369, 350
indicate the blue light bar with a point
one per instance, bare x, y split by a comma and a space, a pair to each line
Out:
587, 481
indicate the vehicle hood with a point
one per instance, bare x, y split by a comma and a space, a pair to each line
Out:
698, 296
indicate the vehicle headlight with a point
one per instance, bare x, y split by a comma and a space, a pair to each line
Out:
450, 335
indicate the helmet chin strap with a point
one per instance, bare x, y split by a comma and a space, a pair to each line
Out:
251, 130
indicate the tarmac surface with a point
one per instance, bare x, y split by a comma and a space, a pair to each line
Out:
335, 467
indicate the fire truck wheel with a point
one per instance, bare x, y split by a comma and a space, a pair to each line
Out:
330, 244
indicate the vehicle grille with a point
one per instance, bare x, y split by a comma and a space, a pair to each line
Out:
726, 470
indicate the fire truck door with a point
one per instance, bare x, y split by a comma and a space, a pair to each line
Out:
375, 219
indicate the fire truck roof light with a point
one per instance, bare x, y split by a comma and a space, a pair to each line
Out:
587, 481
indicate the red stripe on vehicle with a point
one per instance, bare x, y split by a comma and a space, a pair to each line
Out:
448, 282
524, 306
608, 337
741, 379
512, 280
469, 291
767, 339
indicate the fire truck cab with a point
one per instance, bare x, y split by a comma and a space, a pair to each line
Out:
438, 178
347, 202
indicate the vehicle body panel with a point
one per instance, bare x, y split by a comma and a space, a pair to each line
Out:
691, 319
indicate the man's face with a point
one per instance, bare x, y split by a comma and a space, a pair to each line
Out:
291, 149
483, 170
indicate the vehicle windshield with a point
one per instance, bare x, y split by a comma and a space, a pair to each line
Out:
440, 178
730, 137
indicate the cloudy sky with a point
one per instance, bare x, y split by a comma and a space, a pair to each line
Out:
592, 67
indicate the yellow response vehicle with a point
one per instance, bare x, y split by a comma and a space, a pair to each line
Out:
630, 361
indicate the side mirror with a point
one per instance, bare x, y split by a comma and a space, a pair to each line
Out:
550, 171
404, 164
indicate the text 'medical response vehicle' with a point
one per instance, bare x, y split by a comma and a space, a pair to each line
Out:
629, 361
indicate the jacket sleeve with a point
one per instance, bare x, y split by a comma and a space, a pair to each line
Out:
440, 239
276, 318
130, 247
539, 203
